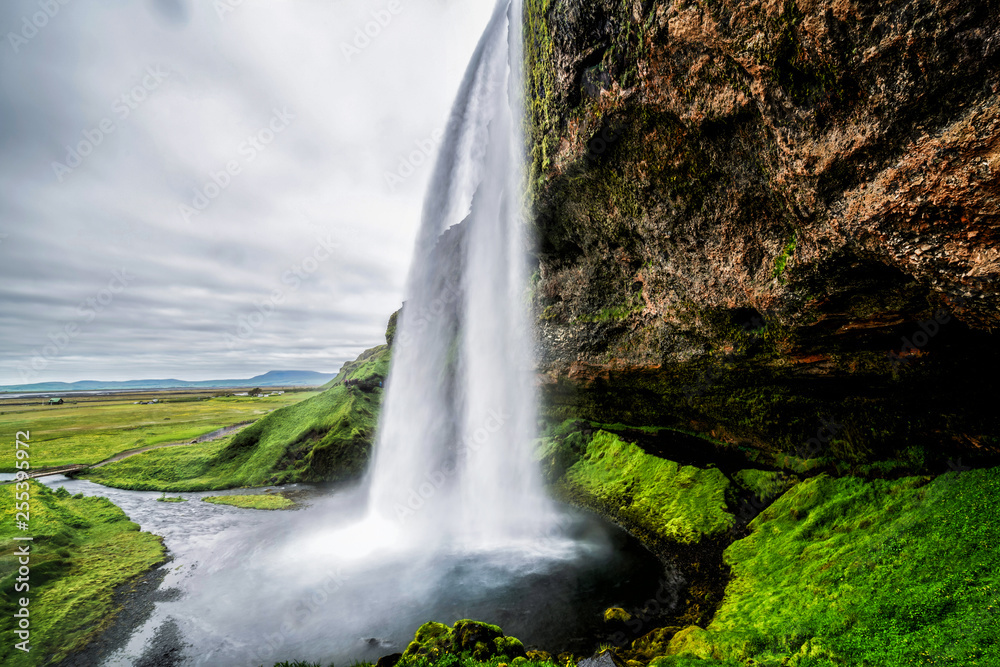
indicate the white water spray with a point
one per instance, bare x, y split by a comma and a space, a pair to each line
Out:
454, 523
458, 422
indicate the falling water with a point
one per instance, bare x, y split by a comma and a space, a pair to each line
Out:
454, 522
454, 446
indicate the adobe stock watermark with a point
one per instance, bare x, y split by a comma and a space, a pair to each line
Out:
121, 108
60, 339
664, 601
363, 35
293, 278
424, 317
252, 146
824, 435
409, 164
276, 643
225, 7
599, 145
918, 340
713, 375
475, 440
33, 24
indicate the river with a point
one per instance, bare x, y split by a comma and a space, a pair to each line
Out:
254, 587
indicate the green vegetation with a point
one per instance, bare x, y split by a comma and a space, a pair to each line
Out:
895, 573
188, 468
467, 643
653, 497
852, 572
764, 485
83, 550
90, 431
171, 499
264, 501
781, 262
540, 91
327, 437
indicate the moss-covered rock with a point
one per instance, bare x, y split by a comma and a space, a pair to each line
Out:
466, 640
715, 256
692, 641
616, 615
652, 496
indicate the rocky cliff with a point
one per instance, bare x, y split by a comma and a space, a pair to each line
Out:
774, 224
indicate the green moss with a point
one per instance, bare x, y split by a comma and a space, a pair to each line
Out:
781, 262
466, 643
83, 550
843, 571
692, 641
648, 494
765, 485
171, 499
540, 94
264, 501
616, 614
325, 438
616, 314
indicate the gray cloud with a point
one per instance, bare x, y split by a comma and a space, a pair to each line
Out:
307, 220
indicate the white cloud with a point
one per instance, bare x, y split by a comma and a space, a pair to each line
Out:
324, 176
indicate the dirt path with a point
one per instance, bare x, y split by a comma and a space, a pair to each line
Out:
208, 437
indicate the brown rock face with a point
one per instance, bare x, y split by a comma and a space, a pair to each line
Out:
754, 216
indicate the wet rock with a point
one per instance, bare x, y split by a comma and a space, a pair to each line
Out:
388, 660
605, 658
692, 641
616, 615
826, 167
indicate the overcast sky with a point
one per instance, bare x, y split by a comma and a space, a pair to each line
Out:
199, 190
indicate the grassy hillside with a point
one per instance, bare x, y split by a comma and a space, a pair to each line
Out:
324, 438
83, 550
817, 572
853, 572
89, 430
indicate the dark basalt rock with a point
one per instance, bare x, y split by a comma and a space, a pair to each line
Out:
602, 659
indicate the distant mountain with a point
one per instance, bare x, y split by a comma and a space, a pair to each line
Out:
269, 379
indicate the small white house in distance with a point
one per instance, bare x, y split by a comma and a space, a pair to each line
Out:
245, 393
277, 393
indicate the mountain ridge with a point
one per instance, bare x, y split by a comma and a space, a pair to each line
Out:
268, 379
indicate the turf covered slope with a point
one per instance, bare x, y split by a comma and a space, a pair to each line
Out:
322, 439
326, 438
853, 572
83, 550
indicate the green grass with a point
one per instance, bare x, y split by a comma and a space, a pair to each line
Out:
327, 437
263, 501
648, 494
90, 431
83, 550
188, 468
852, 572
172, 499
764, 485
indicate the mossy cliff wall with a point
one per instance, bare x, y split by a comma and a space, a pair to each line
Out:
771, 223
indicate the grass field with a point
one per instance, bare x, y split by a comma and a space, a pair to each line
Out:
325, 438
83, 550
264, 501
90, 429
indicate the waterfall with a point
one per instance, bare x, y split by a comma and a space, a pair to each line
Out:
454, 449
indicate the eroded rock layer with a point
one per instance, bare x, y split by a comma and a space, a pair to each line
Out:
772, 223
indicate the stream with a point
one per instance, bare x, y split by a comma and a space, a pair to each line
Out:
250, 587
